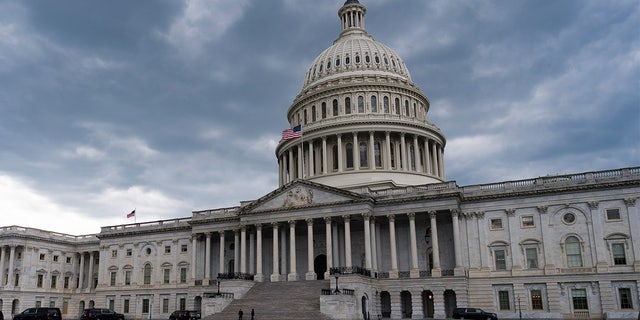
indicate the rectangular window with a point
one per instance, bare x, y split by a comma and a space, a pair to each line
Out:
183, 303
183, 275
42, 256
114, 253
496, 224
54, 281
125, 306
166, 274
129, 253
167, 249
165, 305
68, 259
145, 305
16, 282
183, 248
625, 298
619, 256
500, 260
127, 278
66, 282
532, 258
38, 304
536, 299
112, 281
579, 299
52, 304
527, 221
55, 258
40, 280
65, 307
503, 299
613, 214
112, 304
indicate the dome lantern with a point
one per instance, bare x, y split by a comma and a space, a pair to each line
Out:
352, 16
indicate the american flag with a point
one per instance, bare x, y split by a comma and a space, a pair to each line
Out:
131, 214
295, 132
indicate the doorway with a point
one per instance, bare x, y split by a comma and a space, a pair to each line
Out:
427, 303
320, 266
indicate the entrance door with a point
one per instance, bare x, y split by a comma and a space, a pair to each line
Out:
320, 266
427, 303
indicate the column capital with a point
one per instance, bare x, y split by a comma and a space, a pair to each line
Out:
542, 209
327, 220
324, 138
258, 226
346, 218
309, 221
433, 214
455, 212
366, 215
630, 202
411, 215
510, 211
208, 234
593, 204
292, 223
391, 217
275, 224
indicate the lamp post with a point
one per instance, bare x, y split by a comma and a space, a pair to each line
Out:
337, 290
519, 308
218, 283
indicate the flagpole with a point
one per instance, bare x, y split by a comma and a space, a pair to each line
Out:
304, 174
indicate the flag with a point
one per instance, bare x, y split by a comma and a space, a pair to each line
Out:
131, 214
295, 132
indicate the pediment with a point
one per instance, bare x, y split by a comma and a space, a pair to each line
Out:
300, 194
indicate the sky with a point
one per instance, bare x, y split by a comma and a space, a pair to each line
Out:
173, 106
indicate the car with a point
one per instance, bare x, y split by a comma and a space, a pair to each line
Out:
473, 313
39, 314
1, 315
185, 315
101, 314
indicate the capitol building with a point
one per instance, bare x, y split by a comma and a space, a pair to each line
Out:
364, 225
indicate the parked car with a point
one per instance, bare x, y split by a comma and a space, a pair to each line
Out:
101, 314
39, 314
1, 315
473, 313
185, 315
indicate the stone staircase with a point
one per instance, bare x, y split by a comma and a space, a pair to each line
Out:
295, 300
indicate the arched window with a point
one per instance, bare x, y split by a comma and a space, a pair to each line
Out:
357, 59
305, 116
385, 102
397, 106
377, 154
328, 64
574, 252
147, 273
324, 110
313, 113
360, 104
347, 60
367, 59
337, 61
374, 104
349, 150
347, 105
412, 157
406, 108
334, 151
392, 153
363, 155
335, 107
415, 110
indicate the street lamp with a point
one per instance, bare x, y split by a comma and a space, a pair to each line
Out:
337, 290
519, 308
218, 286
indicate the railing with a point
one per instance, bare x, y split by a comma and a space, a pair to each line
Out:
198, 282
383, 275
330, 292
425, 273
581, 314
404, 274
447, 273
350, 270
221, 295
235, 276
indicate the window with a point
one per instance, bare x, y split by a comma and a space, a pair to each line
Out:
334, 151
16, 282
385, 104
412, 157
42, 256
166, 273
183, 303
574, 252
357, 59
367, 59
167, 249
38, 304
183, 248
148, 251
129, 252
165, 305
406, 108
66, 282
496, 224
55, 258
112, 280
392, 153
569, 218
536, 299
532, 258
112, 304
579, 299
374, 104
127, 278
363, 155
145, 305
396, 106
39, 281
335, 107
147, 274
305, 116
324, 110
626, 302
349, 150
613, 214
619, 256
114, 253
377, 154
347, 105
183, 275
52, 304
503, 300
500, 259
68, 259
360, 104
125, 306
313, 113
527, 221
338, 62
54, 282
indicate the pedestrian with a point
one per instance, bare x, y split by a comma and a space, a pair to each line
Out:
252, 313
240, 314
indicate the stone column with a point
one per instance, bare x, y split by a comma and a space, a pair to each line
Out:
367, 240
12, 258
258, 277
435, 250
236, 250
291, 166
207, 258
275, 275
337, 255
415, 271
441, 162
356, 152
221, 263
80, 273
403, 152
634, 224
311, 275
374, 249
347, 240
372, 151
393, 273
3, 257
194, 247
427, 160
90, 278
243, 249
459, 268
293, 274
252, 253
387, 153
280, 165
324, 155
434, 154
311, 162
340, 162
416, 153
327, 221
300, 174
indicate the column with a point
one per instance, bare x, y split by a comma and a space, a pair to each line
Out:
207, 258
634, 224
403, 152
393, 273
300, 174
347, 240
275, 275
356, 152
221, 260
327, 222
80, 275
3, 257
441, 162
372, 151
340, 166
12, 258
434, 154
374, 250
252, 253
311, 275
311, 162
236, 250
427, 160
337, 256
415, 271
324, 155
90, 277
258, 277
293, 274
387, 152
459, 268
194, 246
280, 180
291, 165
367, 240
283, 252
416, 153
435, 250
243, 249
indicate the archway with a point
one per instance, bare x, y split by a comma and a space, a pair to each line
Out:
449, 302
91, 304
197, 303
385, 304
320, 266
427, 303
81, 307
15, 306
405, 304
365, 307
231, 266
